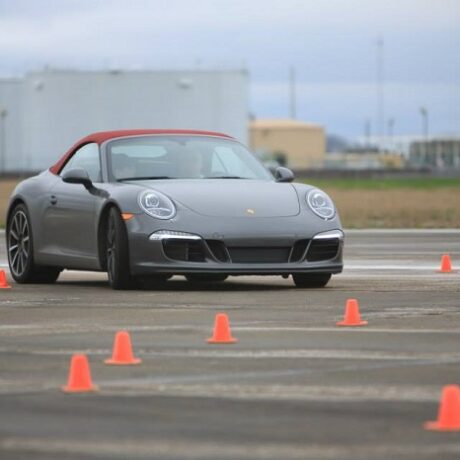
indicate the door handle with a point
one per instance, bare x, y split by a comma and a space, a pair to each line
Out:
53, 199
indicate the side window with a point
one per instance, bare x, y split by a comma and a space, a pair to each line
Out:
86, 157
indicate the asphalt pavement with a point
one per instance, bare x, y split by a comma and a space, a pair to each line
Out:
294, 386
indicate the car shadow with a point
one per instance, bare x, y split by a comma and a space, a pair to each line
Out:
178, 285
228, 285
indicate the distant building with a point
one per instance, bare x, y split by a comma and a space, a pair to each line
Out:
364, 160
45, 112
396, 144
303, 145
440, 152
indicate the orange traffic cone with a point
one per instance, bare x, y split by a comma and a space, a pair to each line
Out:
352, 316
222, 332
446, 264
122, 354
3, 282
79, 376
449, 411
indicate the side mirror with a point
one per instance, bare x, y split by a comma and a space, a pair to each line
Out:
78, 176
284, 174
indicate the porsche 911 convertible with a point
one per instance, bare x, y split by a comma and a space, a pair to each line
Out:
150, 204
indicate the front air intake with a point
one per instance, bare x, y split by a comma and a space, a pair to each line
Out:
184, 250
323, 249
259, 255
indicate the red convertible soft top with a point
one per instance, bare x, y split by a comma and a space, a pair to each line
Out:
103, 136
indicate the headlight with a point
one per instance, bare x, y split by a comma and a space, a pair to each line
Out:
320, 204
157, 205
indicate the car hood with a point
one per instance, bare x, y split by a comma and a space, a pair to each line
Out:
231, 197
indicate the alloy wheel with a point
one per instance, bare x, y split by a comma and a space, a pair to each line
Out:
19, 243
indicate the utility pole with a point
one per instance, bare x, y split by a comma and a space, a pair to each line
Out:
367, 132
380, 88
292, 93
425, 122
424, 115
390, 132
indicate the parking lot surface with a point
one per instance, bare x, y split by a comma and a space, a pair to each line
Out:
294, 386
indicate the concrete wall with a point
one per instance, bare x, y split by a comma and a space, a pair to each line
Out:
11, 148
59, 107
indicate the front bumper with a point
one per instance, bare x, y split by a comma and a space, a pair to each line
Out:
277, 246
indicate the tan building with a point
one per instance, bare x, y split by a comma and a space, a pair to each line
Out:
303, 144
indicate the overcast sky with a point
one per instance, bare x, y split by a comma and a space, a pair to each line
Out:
331, 43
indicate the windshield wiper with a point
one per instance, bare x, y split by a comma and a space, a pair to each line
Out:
225, 177
144, 178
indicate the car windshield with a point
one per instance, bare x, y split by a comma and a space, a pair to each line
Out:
182, 157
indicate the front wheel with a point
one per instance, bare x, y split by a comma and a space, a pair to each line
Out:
117, 252
20, 251
311, 280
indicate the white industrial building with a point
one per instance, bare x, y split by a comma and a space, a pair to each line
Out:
44, 113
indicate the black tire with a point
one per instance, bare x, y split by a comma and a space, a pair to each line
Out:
20, 248
206, 278
117, 252
311, 280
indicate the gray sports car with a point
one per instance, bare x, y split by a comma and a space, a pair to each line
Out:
150, 204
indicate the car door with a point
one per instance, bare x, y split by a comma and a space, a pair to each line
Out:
70, 216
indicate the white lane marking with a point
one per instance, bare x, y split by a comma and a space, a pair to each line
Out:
410, 393
210, 450
404, 247
383, 266
39, 329
205, 379
348, 266
218, 386
85, 328
342, 354
403, 231
75, 327
340, 330
306, 353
